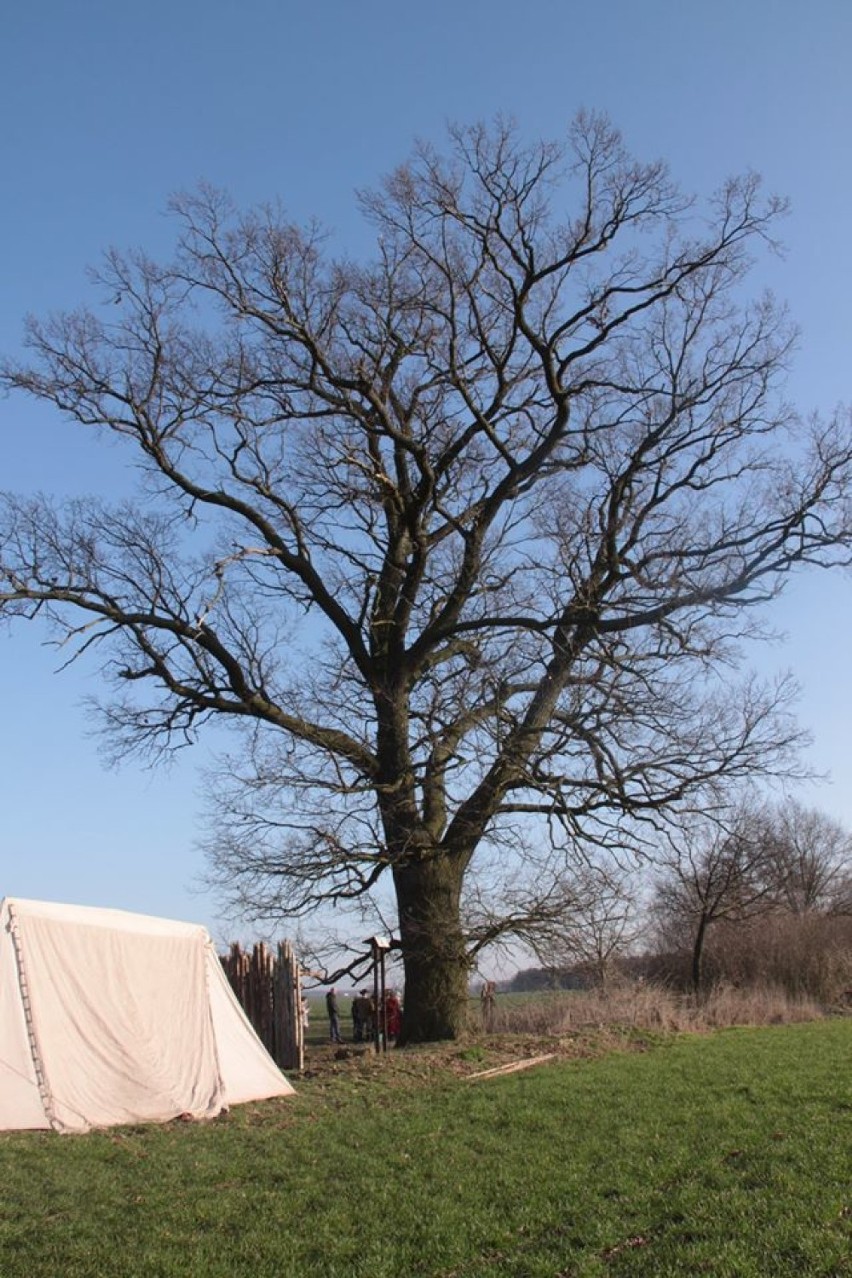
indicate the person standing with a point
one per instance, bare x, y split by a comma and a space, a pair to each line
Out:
393, 1014
362, 1017
333, 1016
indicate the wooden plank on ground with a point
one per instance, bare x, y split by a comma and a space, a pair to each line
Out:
512, 1067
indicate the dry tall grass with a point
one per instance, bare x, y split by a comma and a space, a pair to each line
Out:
641, 1005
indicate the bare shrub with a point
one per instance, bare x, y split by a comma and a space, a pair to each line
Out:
807, 955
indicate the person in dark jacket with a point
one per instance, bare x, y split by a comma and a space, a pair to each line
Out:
333, 1016
362, 1017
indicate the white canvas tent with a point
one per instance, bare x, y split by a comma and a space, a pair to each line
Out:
108, 1017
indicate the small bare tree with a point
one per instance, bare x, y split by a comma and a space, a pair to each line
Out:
460, 539
714, 871
597, 927
811, 860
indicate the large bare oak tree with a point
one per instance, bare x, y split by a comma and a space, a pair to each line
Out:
461, 536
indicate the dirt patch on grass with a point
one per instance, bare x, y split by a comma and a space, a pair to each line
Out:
402, 1068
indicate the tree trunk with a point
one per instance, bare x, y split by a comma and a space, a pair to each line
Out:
697, 952
433, 951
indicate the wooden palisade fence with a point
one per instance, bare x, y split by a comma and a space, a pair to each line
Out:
268, 985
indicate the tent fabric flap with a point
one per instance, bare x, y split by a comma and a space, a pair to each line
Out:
248, 1071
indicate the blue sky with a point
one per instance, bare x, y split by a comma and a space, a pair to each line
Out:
106, 109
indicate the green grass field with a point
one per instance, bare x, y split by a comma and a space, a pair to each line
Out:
725, 1154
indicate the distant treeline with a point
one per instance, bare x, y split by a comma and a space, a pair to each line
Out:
581, 977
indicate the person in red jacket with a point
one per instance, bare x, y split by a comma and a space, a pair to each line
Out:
393, 1014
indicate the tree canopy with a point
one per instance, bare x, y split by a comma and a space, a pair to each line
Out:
461, 537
